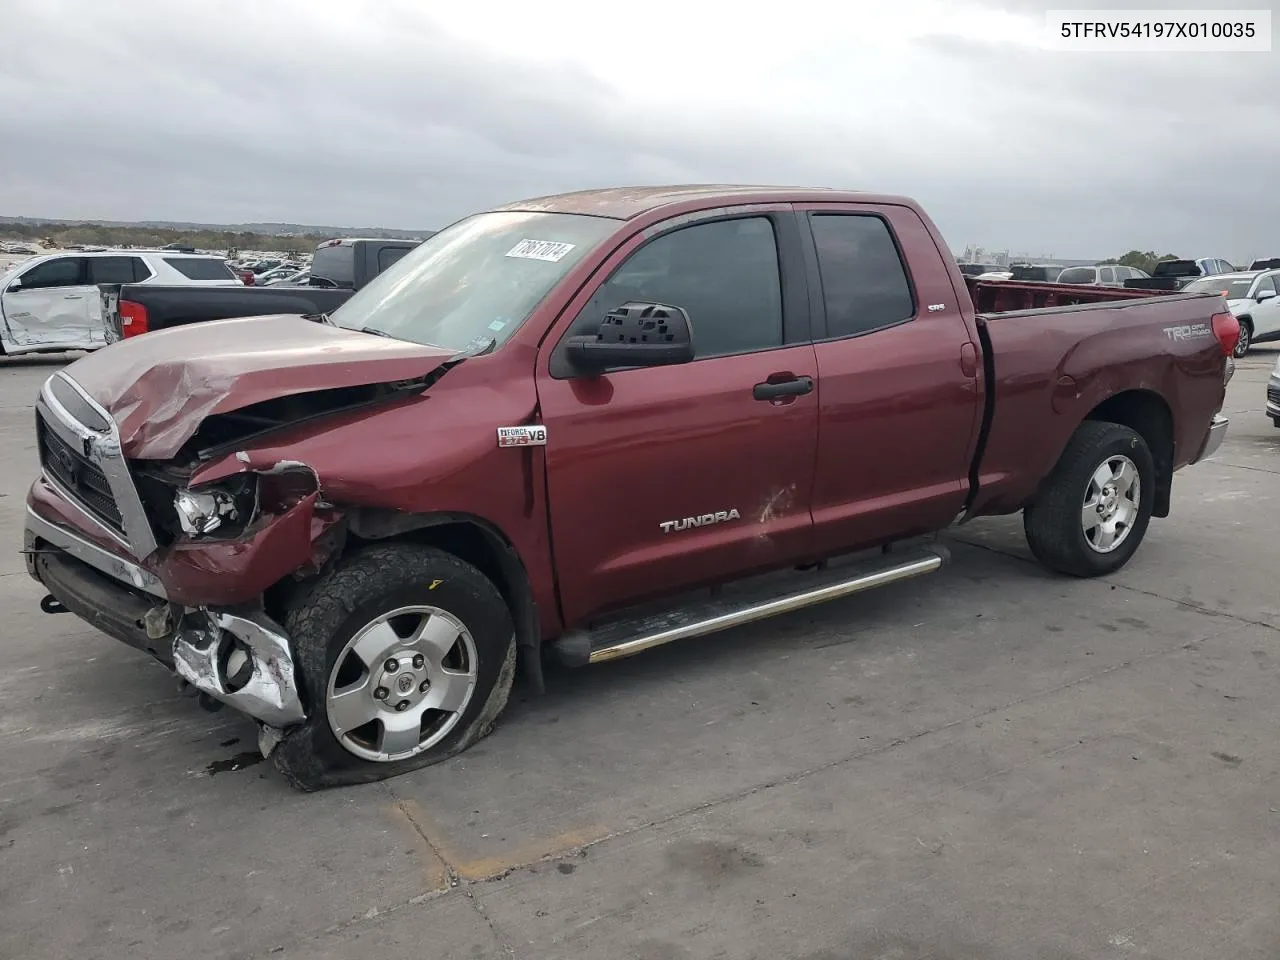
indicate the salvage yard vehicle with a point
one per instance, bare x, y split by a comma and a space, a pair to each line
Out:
52, 303
589, 425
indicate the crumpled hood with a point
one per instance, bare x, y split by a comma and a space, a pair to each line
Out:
159, 387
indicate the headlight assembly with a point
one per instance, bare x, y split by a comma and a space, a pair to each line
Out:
224, 508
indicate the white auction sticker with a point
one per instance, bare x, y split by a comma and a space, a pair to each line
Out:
1185, 31
550, 250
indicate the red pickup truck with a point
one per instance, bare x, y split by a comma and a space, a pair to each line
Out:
592, 424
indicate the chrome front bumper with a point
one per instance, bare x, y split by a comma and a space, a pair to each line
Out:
1213, 440
203, 640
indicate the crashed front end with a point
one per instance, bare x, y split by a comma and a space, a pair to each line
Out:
174, 558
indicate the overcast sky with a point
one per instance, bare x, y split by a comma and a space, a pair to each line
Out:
411, 114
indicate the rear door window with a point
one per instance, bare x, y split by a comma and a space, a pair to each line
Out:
1107, 275
117, 270
389, 255
201, 268
864, 281
336, 263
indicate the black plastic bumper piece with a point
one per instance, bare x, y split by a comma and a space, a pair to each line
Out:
100, 601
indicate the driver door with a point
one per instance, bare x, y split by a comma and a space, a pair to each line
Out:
51, 305
669, 478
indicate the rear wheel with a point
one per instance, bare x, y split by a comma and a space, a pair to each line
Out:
1095, 506
1246, 338
406, 656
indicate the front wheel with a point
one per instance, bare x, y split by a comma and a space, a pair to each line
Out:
1094, 508
406, 657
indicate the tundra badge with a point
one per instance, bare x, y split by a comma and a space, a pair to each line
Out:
531, 436
706, 520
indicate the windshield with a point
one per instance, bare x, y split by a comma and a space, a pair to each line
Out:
476, 281
1231, 289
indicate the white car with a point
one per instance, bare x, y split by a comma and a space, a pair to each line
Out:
53, 303
1254, 298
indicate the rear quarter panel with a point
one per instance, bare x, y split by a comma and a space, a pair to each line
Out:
1053, 367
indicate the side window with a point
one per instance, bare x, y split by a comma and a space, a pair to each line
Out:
63, 272
389, 255
724, 274
140, 270
864, 283
111, 269
1106, 275
1265, 284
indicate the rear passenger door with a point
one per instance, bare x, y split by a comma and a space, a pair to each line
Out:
900, 408
663, 479
114, 270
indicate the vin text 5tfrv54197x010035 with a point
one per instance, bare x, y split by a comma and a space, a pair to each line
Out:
591, 424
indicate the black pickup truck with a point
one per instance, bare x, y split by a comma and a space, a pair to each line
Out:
338, 269
1176, 274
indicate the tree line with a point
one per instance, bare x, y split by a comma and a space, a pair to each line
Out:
94, 234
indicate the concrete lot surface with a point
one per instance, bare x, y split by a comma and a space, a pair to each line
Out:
987, 764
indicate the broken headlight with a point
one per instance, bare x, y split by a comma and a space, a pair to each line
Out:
224, 508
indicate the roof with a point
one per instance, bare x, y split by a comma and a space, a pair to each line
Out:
624, 203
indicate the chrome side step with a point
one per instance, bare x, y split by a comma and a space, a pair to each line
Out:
739, 604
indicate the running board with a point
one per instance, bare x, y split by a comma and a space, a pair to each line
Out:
740, 604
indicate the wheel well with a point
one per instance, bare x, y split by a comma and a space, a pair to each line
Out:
1149, 416
479, 544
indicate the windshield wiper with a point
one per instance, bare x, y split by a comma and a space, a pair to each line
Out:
319, 318
377, 333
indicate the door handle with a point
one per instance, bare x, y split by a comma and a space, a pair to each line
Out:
73, 296
795, 387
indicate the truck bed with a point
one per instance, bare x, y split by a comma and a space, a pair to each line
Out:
997, 296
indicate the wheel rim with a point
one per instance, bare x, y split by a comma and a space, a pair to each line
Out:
1111, 504
1242, 344
401, 683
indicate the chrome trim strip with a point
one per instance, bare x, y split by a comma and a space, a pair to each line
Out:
95, 556
104, 450
761, 611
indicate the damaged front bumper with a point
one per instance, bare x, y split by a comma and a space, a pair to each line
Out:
239, 657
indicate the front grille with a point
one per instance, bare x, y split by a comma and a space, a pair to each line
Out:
78, 475
1273, 394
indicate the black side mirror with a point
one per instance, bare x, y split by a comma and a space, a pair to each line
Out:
635, 335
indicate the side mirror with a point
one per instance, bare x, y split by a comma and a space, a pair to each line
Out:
635, 335
1265, 295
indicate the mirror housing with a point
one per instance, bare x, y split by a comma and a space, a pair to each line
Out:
1265, 295
635, 334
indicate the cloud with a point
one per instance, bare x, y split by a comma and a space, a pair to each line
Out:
403, 114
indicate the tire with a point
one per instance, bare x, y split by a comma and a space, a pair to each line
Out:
1055, 523
344, 608
1246, 338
